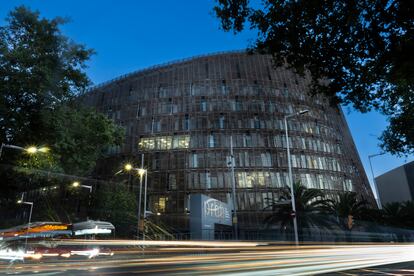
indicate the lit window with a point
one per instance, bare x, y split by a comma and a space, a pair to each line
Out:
160, 205
165, 142
221, 121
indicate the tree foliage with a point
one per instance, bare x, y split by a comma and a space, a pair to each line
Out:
117, 205
80, 136
345, 204
307, 203
361, 48
40, 69
345, 207
399, 214
41, 76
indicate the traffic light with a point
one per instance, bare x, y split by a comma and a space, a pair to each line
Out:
350, 221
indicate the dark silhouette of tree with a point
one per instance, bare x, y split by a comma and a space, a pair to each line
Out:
118, 206
408, 213
346, 208
393, 214
307, 203
361, 49
41, 76
40, 69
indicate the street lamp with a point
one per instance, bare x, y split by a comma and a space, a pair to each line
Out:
292, 193
29, 150
141, 171
21, 201
373, 178
233, 190
76, 184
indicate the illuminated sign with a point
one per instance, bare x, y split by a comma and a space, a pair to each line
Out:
205, 213
216, 209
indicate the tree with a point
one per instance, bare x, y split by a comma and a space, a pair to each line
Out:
399, 214
362, 50
79, 137
41, 76
117, 205
346, 207
393, 214
307, 203
40, 69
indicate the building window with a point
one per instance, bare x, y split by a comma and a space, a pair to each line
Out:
193, 160
211, 141
348, 185
160, 205
165, 142
208, 180
186, 122
172, 182
247, 139
223, 88
203, 104
266, 159
256, 121
221, 121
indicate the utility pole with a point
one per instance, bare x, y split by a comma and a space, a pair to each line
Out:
233, 187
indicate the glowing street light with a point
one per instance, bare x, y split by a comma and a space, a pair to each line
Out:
141, 172
292, 193
128, 167
33, 149
29, 150
76, 184
21, 201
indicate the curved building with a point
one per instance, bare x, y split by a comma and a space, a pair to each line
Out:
183, 115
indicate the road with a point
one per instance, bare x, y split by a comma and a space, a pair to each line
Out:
205, 258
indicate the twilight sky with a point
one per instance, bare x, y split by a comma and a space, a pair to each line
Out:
129, 35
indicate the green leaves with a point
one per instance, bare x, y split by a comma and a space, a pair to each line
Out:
80, 137
307, 202
41, 75
39, 70
363, 49
117, 205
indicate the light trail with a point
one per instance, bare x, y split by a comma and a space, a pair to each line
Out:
233, 260
155, 243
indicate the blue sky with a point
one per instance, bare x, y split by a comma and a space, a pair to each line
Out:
130, 35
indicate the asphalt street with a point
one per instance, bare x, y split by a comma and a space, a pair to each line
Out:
229, 259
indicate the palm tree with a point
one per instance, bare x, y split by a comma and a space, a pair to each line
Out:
393, 214
408, 213
345, 208
307, 203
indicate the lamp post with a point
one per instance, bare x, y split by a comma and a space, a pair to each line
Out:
145, 205
29, 150
21, 201
373, 178
292, 193
77, 184
141, 171
233, 191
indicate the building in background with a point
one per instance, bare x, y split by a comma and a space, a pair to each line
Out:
396, 185
182, 116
